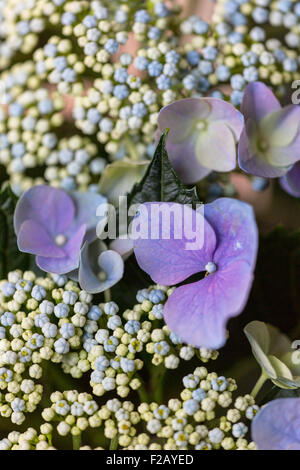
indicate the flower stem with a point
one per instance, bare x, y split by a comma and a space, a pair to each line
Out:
107, 295
49, 437
76, 442
114, 443
157, 383
142, 392
259, 384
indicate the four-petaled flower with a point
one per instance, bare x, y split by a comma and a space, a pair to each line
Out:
270, 141
60, 229
273, 352
203, 136
198, 311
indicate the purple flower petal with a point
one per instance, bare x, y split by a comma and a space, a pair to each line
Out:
50, 207
236, 231
168, 261
192, 146
258, 101
86, 204
94, 260
122, 246
71, 259
249, 158
291, 181
226, 112
180, 116
34, 239
218, 154
282, 126
277, 425
185, 162
198, 312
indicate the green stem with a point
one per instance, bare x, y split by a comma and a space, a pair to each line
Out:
259, 384
76, 442
49, 437
107, 295
142, 392
157, 383
114, 443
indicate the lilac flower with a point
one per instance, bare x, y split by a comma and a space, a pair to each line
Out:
53, 225
198, 312
270, 141
291, 181
203, 136
277, 425
274, 353
99, 268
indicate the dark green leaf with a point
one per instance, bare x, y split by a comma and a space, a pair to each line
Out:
161, 183
10, 257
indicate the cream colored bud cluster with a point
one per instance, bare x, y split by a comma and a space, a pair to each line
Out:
206, 417
52, 319
115, 352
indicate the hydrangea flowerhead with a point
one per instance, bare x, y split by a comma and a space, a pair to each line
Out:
53, 225
203, 136
270, 141
277, 425
198, 312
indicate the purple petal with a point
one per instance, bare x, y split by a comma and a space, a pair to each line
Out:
185, 163
194, 152
249, 158
291, 181
92, 261
86, 204
258, 101
218, 154
198, 312
282, 126
236, 231
180, 118
50, 207
34, 239
122, 246
168, 261
277, 425
228, 114
71, 259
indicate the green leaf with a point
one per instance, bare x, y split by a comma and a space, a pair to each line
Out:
10, 257
160, 183
119, 177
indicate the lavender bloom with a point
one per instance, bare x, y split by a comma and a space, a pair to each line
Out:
270, 141
277, 425
274, 353
53, 225
291, 181
203, 136
99, 268
198, 312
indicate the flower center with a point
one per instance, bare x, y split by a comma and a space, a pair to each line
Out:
201, 125
263, 144
102, 276
211, 267
60, 239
